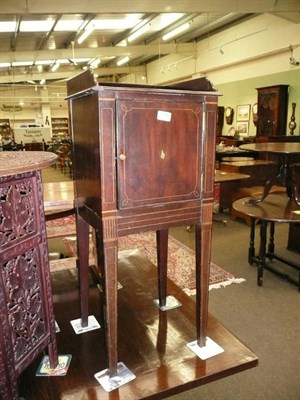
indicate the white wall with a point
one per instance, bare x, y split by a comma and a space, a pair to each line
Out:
257, 47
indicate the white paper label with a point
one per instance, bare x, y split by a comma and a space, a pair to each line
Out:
164, 116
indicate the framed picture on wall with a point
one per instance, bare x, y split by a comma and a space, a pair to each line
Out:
242, 128
243, 112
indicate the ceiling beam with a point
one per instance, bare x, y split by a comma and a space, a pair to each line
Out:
106, 51
56, 76
144, 6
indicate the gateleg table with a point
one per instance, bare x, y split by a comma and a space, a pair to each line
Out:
276, 208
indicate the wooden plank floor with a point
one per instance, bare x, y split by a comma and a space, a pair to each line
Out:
152, 343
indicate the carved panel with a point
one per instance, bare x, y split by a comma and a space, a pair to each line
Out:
22, 286
26, 312
17, 218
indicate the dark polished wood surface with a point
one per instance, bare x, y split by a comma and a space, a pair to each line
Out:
272, 107
58, 196
275, 207
229, 182
258, 172
152, 343
276, 147
285, 176
223, 176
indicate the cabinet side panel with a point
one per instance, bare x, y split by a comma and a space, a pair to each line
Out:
84, 113
209, 138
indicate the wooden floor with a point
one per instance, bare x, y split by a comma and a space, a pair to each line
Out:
152, 343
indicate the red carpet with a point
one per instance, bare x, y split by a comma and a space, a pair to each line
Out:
181, 259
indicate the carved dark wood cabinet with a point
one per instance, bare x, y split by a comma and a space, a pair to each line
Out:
143, 160
27, 324
272, 103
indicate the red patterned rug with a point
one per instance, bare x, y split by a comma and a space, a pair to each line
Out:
181, 259
61, 227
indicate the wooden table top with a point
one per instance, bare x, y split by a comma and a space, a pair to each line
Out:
275, 207
58, 196
158, 356
224, 176
247, 163
16, 162
276, 147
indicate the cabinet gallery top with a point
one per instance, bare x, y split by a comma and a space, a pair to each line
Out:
16, 162
87, 81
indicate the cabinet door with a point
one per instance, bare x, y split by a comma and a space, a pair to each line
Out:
159, 150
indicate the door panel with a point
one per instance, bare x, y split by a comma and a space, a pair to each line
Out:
159, 151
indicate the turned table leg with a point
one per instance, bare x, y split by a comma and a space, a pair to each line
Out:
262, 252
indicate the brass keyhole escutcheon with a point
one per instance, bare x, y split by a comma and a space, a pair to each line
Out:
162, 155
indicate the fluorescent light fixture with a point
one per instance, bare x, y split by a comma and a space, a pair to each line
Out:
36, 26
123, 61
123, 43
80, 60
43, 62
4, 65
63, 61
117, 23
65, 25
21, 63
138, 33
32, 82
42, 81
55, 66
176, 31
8, 26
94, 62
85, 34
168, 18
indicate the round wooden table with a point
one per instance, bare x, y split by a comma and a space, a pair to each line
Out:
275, 208
285, 175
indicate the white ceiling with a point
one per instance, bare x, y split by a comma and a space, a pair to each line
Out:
205, 17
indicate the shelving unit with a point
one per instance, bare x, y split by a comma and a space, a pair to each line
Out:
4, 127
60, 128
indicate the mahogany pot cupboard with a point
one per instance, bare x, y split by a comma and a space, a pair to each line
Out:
144, 159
